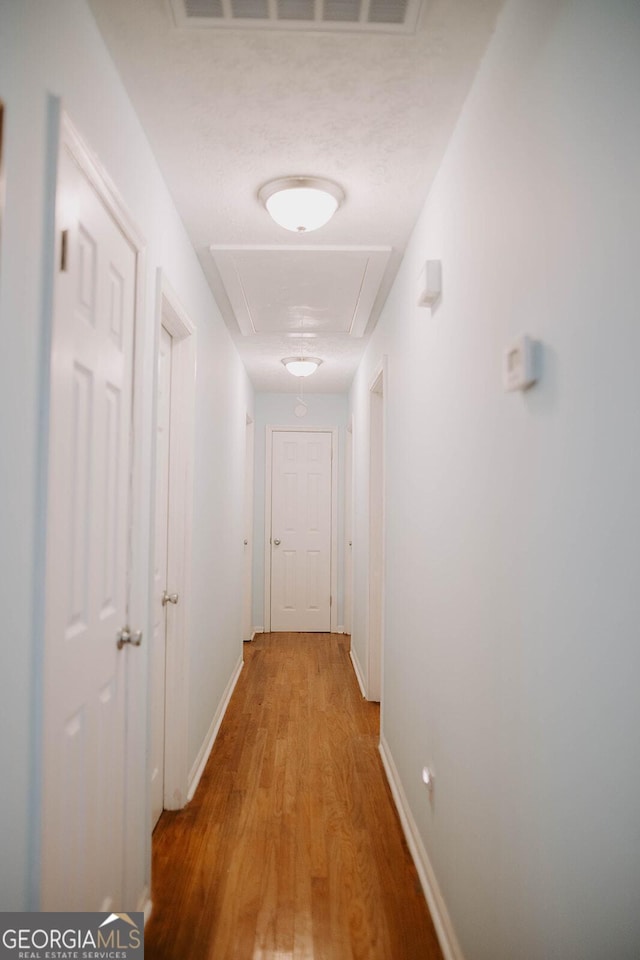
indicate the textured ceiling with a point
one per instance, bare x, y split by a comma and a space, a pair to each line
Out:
227, 110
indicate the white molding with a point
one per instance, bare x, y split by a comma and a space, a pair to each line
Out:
100, 180
145, 905
177, 320
349, 513
171, 314
335, 436
247, 553
335, 453
340, 629
379, 374
205, 750
378, 387
357, 669
138, 667
451, 949
255, 631
268, 474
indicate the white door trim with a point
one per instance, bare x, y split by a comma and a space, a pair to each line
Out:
136, 871
376, 607
348, 528
248, 630
270, 430
171, 314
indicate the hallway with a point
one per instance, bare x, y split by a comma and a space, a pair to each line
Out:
291, 846
470, 312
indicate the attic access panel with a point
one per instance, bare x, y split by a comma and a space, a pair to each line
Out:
283, 289
364, 16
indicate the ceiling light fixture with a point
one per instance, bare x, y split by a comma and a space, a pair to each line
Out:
301, 204
301, 366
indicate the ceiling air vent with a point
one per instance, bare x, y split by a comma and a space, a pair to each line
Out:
368, 16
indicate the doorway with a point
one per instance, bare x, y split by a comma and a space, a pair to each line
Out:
93, 693
161, 596
172, 553
247, 629
376, 535
348, 529
301, 530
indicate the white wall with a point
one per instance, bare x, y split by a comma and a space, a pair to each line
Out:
224, 396
276, 410
512, 650
56, 50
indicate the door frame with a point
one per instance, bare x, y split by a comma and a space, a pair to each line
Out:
136, 878
171, 315
248, 630
348, 528
270, 430
377, 482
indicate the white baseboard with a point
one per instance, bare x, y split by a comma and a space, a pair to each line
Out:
358, 672
203, 754
255, 631
440, 915
145, 906
340, 629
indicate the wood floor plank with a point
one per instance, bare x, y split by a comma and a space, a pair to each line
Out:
291, 848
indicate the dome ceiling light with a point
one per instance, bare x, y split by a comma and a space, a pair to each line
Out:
301, 204
301, 366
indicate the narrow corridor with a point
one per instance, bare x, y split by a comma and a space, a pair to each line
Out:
291, 847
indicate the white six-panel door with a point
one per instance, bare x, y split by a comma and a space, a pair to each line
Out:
87, 555
301, 531
159, 639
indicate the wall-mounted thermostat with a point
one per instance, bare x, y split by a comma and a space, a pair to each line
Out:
518, 372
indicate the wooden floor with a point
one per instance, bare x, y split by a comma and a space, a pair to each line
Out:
291, 847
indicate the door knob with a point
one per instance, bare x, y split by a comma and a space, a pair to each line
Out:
277, 542
169, 598
126, 636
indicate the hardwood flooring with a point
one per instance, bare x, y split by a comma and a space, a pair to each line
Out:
291, 848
